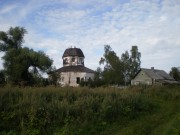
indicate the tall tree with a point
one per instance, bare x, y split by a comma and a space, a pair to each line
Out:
126, 61
112, 73
120, 71
131, 63
135, 61
18, 60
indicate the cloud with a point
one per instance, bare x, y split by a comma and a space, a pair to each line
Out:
7, 9
55, 25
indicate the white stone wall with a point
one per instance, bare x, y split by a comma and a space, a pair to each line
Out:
70, 78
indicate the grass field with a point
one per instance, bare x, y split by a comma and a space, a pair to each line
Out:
85, 111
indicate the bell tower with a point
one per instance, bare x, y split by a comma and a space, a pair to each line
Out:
73, 57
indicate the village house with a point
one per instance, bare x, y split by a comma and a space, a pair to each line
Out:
152, 77
73, 70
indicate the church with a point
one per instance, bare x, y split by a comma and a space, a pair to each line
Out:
73, 70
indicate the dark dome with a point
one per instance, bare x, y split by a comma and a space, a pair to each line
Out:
73, 52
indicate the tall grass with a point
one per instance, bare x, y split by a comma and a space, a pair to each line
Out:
75, 111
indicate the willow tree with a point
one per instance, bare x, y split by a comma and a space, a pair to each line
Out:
17, 60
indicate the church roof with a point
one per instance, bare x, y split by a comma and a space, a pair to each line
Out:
73, 52
78, 68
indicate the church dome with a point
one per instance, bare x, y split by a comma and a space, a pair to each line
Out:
73, 52
73, 56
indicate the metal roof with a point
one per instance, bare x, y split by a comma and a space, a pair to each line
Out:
78, 68
73, 52
157, 74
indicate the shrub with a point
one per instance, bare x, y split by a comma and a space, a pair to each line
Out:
71, 111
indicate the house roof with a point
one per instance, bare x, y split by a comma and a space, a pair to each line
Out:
73, 52
157, 74
78, 68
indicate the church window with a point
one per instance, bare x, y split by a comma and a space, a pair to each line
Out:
80, 60
73, 60
65, 61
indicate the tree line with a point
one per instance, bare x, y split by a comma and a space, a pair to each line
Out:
117, 71
121, 70
24, 66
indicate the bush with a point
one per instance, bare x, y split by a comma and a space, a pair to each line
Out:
74, 110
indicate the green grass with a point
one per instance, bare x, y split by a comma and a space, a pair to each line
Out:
84, 111
163, 122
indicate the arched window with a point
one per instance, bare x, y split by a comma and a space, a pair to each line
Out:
73, 59
81, 60
65, 61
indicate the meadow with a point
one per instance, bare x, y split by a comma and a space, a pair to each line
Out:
85, 111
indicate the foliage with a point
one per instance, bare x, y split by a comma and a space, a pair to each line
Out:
96, 82
175, 73
113, 68
54, 77
131, 63
120, 71
135, 61
18, 60
2, 78
76, 111
12, 39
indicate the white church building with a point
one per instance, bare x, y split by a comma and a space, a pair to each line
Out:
73, 70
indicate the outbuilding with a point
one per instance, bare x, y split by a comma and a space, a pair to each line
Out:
152, 77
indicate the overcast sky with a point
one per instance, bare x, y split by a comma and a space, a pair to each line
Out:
54, 25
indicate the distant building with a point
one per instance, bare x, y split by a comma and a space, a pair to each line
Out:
73, 70
152, 77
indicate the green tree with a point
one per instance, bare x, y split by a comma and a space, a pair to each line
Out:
112, 73
18, 60
54, 76
12, 39
135, 61
98, 74
131, 63
120, 71
126, 61
175, 73
98, 78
